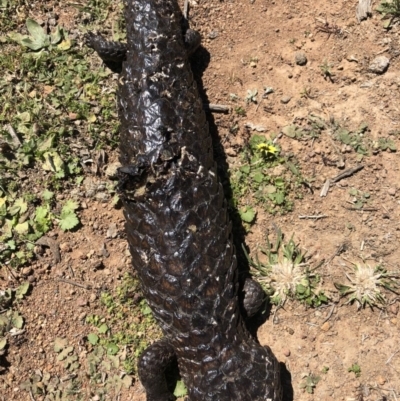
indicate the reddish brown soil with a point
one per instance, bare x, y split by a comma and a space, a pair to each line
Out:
306, 340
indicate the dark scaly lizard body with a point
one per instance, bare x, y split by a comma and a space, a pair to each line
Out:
177, 225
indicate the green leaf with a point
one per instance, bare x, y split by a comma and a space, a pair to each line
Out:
258, 177
145, 309
22, 290
59, 344
17, 320
245, 169
247, 214
57, 36
279, 198
35, 29
68, 221
12, 245
19, 206
301, 289
7, 228
65, 44
343, 289
46, 144
53, 162
112, 348
38, 39
270, 189
47, 195
290, 131
13, 210
41, 213
69, 206
387, 23
103, 329
22, 228
3, 206
3, 343
16, 37
180, 389
68, 218
64, 353
93, 338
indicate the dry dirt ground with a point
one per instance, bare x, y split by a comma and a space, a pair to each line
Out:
253, 45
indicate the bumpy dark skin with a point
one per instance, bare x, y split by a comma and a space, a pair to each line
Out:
177, 225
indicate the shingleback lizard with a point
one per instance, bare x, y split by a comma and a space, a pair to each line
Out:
177, 225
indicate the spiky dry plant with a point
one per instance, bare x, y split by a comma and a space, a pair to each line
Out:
287, 273
367, 285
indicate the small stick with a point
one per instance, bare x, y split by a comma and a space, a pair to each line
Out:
315, 217
258, 105
86, 287
362, 209
218, 108
17, 333
70, 269
346, 174
31, 395
325, 188
391, 357
68, 377
329, 314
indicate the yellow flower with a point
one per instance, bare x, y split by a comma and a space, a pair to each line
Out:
267, 148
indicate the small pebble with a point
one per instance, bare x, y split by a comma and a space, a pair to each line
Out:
112, 231
81, 302
301, 58
392, 191
379, 65
286, 352
82, 316
65, 247
285, 99
289, 330
394, 308
326, 326
27, 271
213, 35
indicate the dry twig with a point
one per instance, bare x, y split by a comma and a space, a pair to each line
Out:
314, 217
85, 286
347, 173
326, 27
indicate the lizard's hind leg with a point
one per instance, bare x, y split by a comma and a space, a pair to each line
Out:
152, 366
